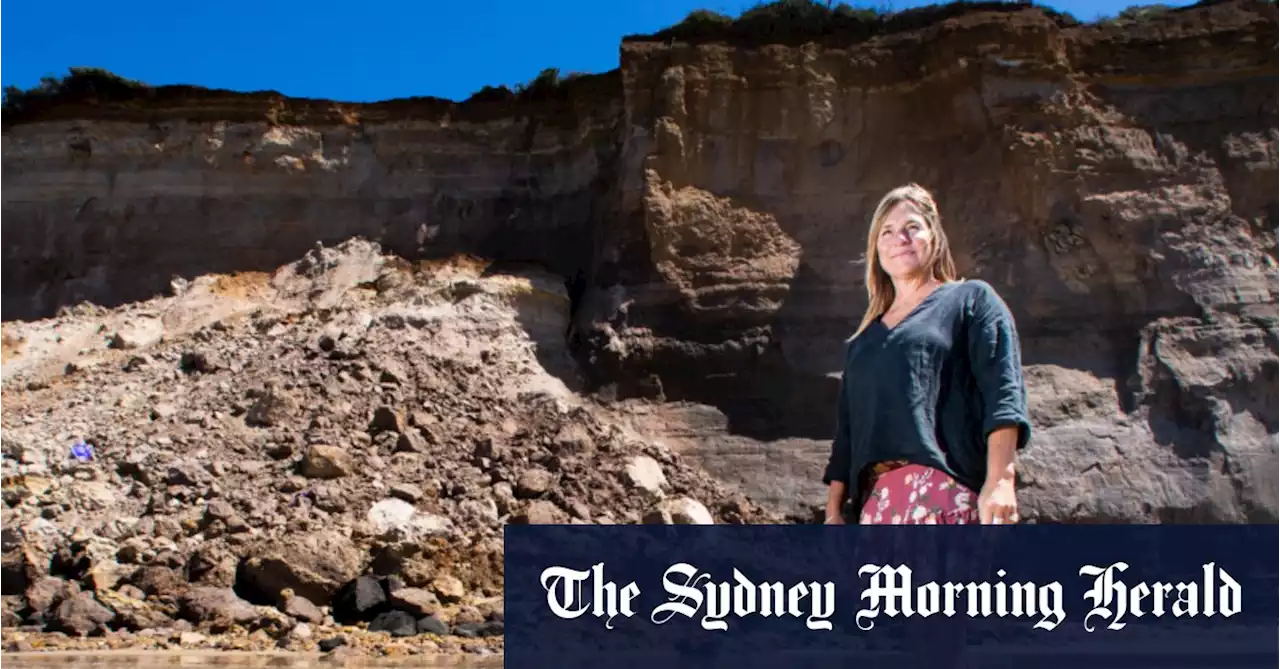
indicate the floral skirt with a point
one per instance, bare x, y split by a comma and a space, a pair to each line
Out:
917, 495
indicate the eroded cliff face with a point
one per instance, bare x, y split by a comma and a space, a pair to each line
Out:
708, 206
1118, 187
107, 203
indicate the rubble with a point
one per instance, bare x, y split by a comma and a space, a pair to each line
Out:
293, 474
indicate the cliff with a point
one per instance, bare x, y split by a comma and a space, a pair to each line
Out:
707, 203
153, 183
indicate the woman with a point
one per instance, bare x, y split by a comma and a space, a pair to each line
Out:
932, 406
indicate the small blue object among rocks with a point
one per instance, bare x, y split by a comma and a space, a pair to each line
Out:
82, 451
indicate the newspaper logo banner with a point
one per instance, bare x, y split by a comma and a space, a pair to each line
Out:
807, 595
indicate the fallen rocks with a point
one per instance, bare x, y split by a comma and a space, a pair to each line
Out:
273, 407
159, 580
449, 588
386, 419
397, 520
248, 478
489, 628
326, 462
386, 605
133, 612
418, 600
331, 644
534, 483
218, 607
199, 362
644, 473
300, 607
407, 492
360, 600
9, 612
18, 570
432, 625
81, 614
679, 511
539, 512
313, 566
46, 594
397, 623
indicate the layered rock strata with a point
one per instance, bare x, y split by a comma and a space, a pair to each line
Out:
706, 206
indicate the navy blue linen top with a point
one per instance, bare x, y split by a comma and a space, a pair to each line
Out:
931, 389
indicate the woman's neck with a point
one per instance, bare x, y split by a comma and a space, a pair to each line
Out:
908, 291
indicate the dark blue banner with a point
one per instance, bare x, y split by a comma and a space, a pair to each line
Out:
892, 596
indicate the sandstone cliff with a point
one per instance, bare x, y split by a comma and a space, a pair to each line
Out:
180, 181
706, 204
1124, 202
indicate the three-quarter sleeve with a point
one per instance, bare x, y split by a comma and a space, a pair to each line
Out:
995, 358
838, 463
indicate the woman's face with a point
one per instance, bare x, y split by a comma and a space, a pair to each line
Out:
903, 244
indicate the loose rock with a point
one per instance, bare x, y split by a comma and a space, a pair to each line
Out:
218, 606
397, 623
361, 600
326, 462
416, 600
82, 615
645, 473
449, 588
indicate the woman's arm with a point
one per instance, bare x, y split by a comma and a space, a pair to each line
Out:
995, 357
836, 492
836, 475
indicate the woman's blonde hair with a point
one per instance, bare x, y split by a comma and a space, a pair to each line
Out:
940, 265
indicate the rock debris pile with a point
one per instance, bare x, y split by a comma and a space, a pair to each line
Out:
327, 451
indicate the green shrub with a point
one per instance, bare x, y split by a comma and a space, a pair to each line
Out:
706, 17
800, 21
80, 83
547, 84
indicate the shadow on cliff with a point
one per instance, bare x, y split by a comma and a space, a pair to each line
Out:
544, 313
53, 284
772, 378
781, 380
791, 386
101, 258
1233, 141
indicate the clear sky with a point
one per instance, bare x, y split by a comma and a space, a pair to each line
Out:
354, 51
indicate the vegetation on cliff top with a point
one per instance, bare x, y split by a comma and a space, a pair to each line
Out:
777, 22
800, 21
547, 84
99, 87
81, 82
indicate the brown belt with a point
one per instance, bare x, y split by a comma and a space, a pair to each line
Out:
874, 471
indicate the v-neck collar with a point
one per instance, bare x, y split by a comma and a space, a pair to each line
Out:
921, 303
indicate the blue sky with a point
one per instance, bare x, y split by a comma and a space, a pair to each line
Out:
353, 51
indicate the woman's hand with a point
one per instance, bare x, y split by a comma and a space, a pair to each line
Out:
998, 503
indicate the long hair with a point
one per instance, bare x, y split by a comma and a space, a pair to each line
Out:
940, 265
